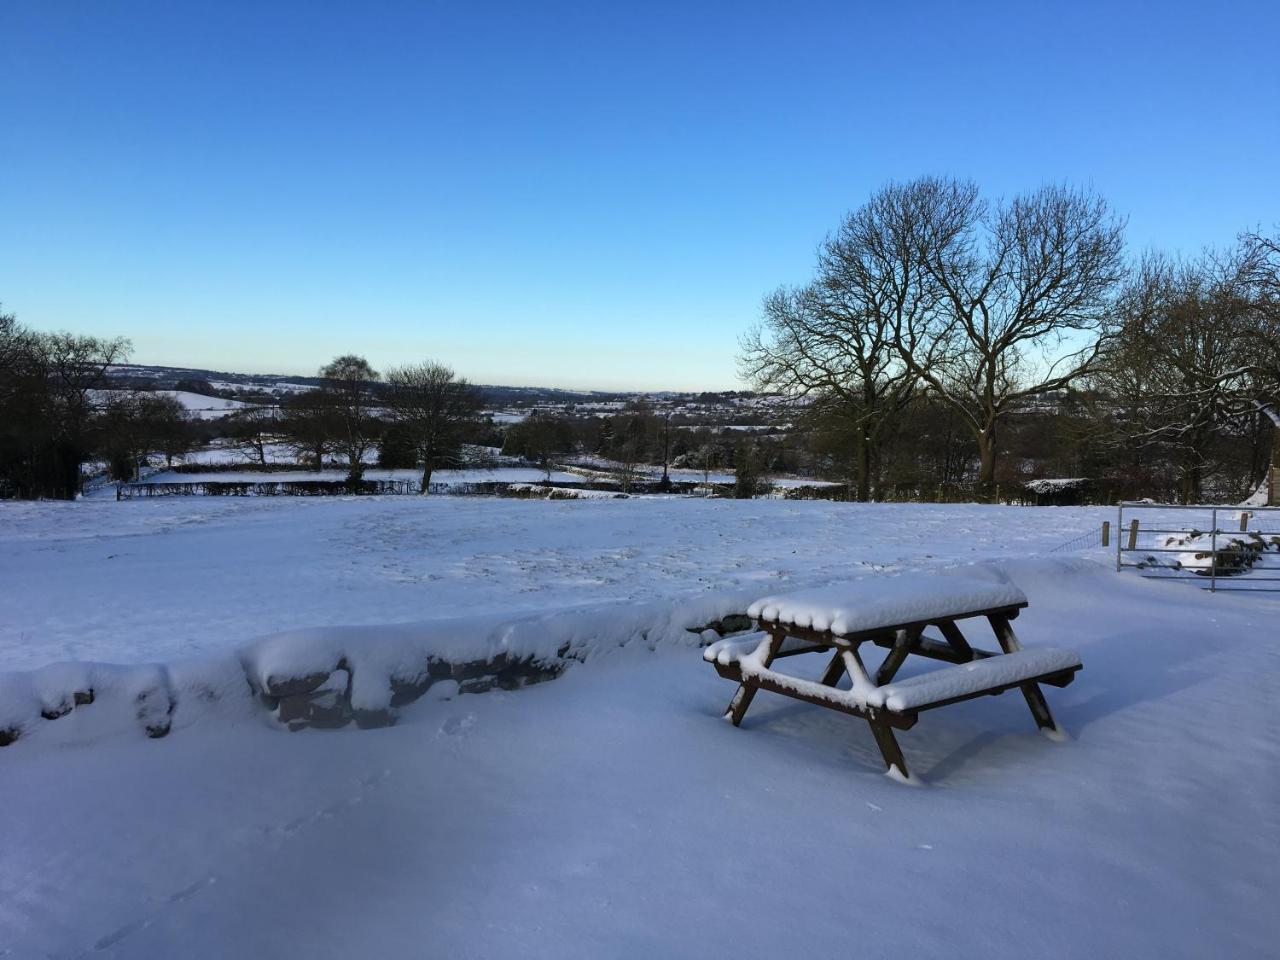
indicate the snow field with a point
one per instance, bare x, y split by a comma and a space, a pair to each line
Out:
609, 812
178, 578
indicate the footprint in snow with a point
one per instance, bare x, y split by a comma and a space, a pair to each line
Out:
456, 726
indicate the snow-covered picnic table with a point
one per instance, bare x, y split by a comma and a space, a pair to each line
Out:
892, 612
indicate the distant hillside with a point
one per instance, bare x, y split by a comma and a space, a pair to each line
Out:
222, 383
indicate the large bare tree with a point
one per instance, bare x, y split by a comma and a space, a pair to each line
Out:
1024, 291
927, 285
435, 408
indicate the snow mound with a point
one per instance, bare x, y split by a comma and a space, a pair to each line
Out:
331, 676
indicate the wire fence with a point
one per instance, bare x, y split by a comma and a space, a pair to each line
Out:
1095, 538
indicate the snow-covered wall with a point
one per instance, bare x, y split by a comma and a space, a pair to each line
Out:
331, 676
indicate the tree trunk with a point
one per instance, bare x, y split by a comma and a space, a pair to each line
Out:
1191, 489
862, 464
987, 461
426, 478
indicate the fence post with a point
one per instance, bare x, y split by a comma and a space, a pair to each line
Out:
1119, 527
1106, 533
1133, 534
1213, 557
1244, 521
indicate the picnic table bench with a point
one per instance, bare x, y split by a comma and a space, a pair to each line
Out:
894, 613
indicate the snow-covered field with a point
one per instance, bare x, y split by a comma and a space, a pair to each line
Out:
197, 405
611, 812
172, 577
207, 408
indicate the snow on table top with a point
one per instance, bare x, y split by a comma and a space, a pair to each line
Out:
967, 678
877, 602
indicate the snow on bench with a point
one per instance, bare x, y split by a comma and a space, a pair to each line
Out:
885, 601
965, 679
733, 649
932, 688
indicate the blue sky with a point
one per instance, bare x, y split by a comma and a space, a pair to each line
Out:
589, 194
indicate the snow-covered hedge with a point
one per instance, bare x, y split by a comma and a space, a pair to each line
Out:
331, 676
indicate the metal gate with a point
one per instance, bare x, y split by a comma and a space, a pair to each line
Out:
1221, 548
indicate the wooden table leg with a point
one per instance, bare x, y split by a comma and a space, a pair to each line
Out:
1031, 692
835, 670
956, 641
889, 748
1039, 707
1004, 633
746, 691
902, 645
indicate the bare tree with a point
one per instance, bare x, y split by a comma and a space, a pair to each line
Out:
253, 429
748, 482
834, 338
170, 426
1261, 258
135, 424
435, 408
708, 459
347, 386
1024, 292
1263, 254
632, 431
26, 426
75, 369
539, 437
15, 352
1195, 359
309, 423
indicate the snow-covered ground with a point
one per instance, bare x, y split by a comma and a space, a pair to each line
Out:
154, 579
593, 463
207, 408
611, 812
226, 452
198, 405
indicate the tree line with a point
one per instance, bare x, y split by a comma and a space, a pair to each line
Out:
947, 346
939, 325
59, 411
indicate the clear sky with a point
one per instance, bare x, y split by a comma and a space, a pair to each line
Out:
593, 194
